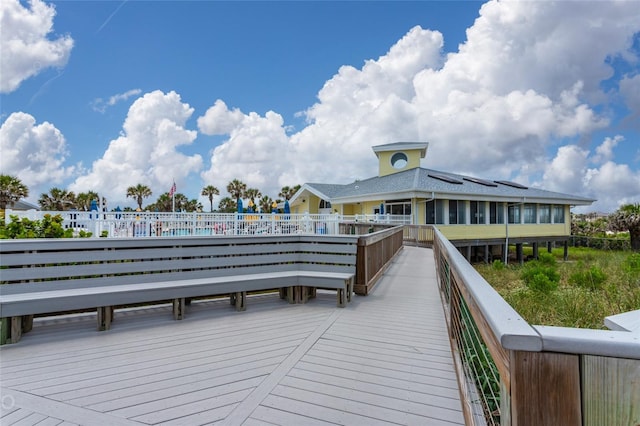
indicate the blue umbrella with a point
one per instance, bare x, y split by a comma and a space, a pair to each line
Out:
381, 208
240, 208
287, 209
93, 208
118, 215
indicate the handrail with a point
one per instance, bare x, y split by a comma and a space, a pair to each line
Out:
375, 252
514, 373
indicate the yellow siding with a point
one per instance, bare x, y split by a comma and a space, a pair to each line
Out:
465, 232
413, 161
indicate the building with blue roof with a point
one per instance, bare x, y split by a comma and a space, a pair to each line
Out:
482, 215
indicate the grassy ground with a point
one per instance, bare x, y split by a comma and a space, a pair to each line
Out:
583, 298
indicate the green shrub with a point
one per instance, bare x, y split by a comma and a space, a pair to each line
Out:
540, 277
591, 278
498, 265
632, 263
546, 259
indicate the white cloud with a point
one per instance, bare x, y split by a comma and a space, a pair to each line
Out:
610, 183
630, 90
526, 82
219, 120
147, 151
614, 185
254, 153
604, 151
35, 153
527, 78
101, 105
26, 50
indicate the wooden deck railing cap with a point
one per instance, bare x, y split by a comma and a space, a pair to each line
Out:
510, 329
619, 344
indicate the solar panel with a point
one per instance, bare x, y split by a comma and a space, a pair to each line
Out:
445, 178
480, 181
511, 184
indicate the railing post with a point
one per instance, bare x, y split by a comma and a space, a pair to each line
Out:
545, 389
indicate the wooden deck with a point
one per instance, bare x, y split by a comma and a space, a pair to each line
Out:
385, 359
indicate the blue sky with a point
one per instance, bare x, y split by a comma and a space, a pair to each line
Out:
104, 95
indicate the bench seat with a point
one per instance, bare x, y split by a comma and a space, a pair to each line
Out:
58, 280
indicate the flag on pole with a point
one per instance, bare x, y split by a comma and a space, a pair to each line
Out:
172, 190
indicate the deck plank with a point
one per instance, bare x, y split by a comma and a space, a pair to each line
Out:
383, 360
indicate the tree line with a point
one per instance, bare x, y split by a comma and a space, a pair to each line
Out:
13, 190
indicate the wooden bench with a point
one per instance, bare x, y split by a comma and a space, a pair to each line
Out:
52, 276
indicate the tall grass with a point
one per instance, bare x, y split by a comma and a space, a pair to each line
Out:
593, 285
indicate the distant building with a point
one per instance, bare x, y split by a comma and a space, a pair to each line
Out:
23, 205
478, 214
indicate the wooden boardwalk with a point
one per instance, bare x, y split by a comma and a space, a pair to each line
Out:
383, 360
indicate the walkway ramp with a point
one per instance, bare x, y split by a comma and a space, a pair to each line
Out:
384, 360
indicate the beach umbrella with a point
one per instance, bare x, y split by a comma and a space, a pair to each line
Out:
250, 207
240, 208
287, 209
94, 208
381, 208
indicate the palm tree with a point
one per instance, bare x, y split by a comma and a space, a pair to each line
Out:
627, 218
84, 199
11, 190
288, 192
227, 205
252, 194
192, 205
139, 192
237, 189
210, 191
57, 200
265, 203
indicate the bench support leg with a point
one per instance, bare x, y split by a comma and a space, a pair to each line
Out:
283, 292
27, 323
349, 286
179, 308
16, 330
105, 316
311, 293
342, 297
241, 300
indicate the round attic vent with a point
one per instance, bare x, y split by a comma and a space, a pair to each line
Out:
399, 160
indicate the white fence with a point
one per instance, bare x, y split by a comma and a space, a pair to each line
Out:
160, 224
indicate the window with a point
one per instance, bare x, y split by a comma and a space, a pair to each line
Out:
514, 213
558, 214
477, 212
496, 212
399, 160
396, 207
544, 213
457, 212
325, 204
435, 212
530, 213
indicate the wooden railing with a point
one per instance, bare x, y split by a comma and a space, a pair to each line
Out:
418, 235
514, 373
375, 251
